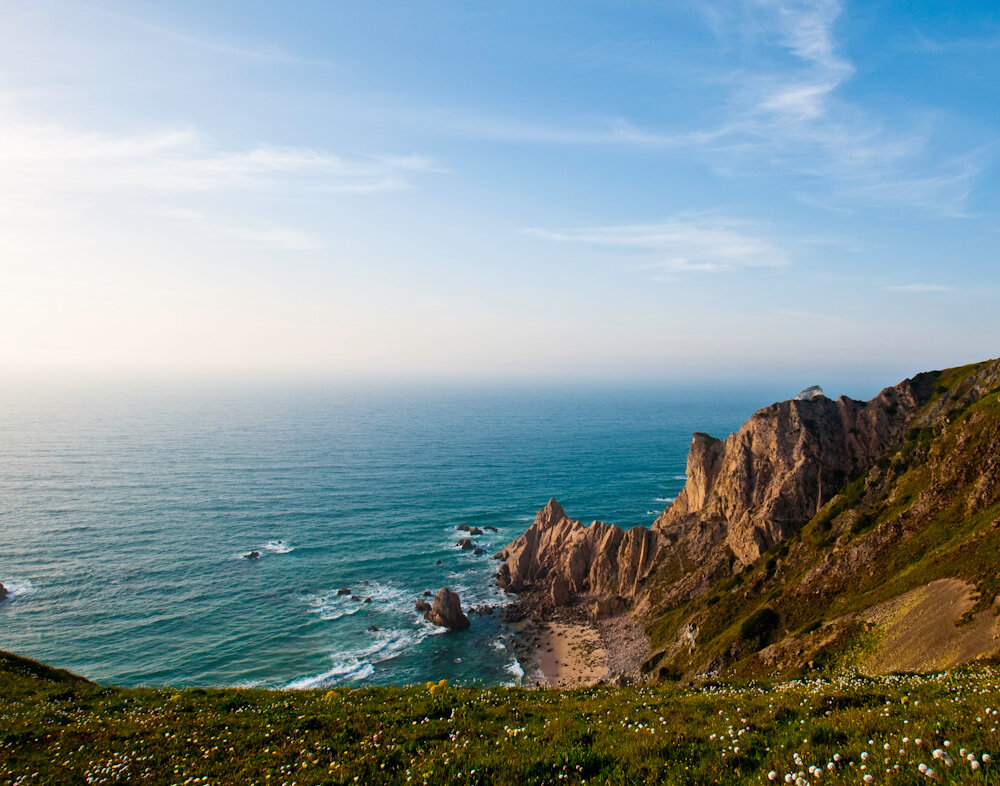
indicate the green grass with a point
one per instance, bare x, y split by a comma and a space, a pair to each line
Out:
54, 730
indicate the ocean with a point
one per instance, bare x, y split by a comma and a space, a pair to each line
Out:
125, 515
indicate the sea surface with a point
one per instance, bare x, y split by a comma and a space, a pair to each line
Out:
125, 517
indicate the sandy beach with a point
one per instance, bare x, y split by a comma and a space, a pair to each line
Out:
565, 648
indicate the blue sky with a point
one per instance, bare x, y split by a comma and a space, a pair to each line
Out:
504, 191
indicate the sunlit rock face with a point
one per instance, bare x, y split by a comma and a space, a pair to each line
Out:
569, 558
770, 477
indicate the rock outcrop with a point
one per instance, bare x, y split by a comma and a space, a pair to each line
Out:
447, 611
568, 558
763, 482
3, 592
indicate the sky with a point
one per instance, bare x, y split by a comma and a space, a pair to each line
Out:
513, 191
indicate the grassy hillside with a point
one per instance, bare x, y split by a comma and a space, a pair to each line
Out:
58, 729
928, 510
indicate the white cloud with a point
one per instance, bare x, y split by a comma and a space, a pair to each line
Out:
791, 117
689, 242
46, 157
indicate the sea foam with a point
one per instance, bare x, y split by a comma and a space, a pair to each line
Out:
17, 588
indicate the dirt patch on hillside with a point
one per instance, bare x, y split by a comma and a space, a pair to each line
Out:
919, 630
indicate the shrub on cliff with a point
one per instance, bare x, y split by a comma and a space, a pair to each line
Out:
759, 626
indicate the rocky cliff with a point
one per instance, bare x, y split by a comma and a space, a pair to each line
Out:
786, 461
565, 558
826, 505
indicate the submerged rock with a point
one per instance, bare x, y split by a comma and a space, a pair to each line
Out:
343, 591
447, 611
252, 555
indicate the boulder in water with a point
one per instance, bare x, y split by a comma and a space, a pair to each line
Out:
465, 543
447, 611
475, 531
423, 605
252, 555
343, 591
3, 592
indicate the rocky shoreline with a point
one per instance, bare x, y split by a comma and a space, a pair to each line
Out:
564, 646
573, 584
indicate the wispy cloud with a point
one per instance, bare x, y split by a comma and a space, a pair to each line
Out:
264, 52
792, 117
689, 242
48, 156
785, 113
919, 288
271, 236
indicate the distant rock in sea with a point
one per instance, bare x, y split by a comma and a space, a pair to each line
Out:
3, 592
252, 555
811, 392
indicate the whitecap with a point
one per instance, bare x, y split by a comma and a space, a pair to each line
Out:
360, 664
17, 588
344, 671
678, 477
664, 499
278, 547
653, 512
515, 669
331, 606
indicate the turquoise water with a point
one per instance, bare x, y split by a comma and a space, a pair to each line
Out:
123, 518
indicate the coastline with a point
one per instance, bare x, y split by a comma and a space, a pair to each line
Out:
565, 647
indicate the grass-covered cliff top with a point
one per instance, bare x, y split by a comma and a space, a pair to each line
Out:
55, 728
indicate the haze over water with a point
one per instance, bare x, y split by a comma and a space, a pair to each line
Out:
124, 518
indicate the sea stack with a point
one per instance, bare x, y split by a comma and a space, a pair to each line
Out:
447, 611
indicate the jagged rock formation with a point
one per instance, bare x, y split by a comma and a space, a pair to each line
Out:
447, 611
812, 505
569, 558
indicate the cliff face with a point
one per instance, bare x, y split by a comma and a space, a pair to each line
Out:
786, 461
566, 558
814, 505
